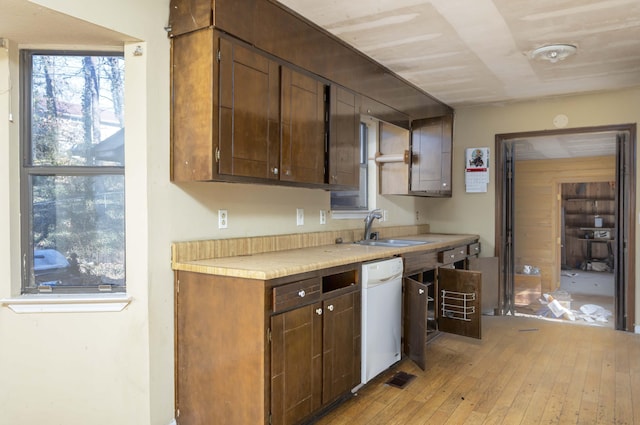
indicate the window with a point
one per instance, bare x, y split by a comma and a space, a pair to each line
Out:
72, 174
355, 200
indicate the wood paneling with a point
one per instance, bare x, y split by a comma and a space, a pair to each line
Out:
537, 209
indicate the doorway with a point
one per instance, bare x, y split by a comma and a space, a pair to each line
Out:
529, 204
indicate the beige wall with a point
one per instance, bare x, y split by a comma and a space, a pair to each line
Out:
117, 368
477, 126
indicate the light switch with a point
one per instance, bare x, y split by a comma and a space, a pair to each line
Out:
299, 216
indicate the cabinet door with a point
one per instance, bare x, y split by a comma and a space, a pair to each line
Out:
459, 302
344, 139
431, 156
415, 321
394, 176
303, 128
249, 112
341, 357
296, 364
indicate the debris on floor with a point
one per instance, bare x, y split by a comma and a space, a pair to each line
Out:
594, 313
558, 305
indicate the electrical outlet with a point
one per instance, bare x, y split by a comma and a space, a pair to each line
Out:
223, 219
323, 217
299, 216
385, 215
417, 215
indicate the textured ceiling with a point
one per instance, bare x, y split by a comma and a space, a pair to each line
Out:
468, 52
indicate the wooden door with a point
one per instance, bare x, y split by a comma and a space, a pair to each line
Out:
459, 303
341, 356
415, 321
431, 155
344, 139
303, 128
394, 176
249, 112
296, 364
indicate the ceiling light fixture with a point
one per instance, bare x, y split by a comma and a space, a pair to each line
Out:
554, 52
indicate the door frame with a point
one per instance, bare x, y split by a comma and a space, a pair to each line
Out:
625, 286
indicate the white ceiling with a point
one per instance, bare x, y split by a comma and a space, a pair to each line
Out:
468, 52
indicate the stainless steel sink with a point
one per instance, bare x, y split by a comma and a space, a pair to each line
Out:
392, 242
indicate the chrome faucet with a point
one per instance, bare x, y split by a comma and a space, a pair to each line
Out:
368, 221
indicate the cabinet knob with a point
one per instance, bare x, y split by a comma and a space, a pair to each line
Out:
444, 185
330, 307
420, 291
301, 293
287, 173
453, 255
319, 311
274, 170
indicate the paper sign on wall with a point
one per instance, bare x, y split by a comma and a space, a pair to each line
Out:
476, 170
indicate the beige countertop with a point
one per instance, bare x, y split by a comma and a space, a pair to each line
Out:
277, 264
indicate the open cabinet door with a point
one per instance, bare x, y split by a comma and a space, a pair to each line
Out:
459, 302
415, 320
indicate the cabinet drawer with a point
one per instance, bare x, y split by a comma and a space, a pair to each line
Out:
474, 248
415, 262
295, 294
452, 255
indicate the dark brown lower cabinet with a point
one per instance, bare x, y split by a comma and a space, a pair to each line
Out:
440, 299
296, 364
315, 356
265, 352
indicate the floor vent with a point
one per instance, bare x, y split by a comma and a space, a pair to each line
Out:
400, 379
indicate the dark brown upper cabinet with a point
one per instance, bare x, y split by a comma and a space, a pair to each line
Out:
427, 149
431, 142
303, 125
241, 115
344, 136
249, 87
225, 110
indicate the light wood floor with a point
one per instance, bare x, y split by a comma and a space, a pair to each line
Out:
523, 371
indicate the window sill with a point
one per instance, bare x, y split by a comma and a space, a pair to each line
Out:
89, 303
348, 214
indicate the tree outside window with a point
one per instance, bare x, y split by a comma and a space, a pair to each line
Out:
73, 172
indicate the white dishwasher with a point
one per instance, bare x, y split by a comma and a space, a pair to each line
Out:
381, 316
